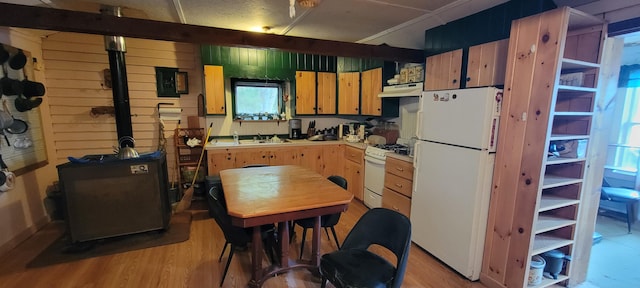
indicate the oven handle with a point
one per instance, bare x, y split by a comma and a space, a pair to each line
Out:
374, 160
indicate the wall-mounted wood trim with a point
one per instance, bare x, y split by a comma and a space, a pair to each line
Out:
33, 17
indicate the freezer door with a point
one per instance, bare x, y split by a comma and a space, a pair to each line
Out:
450, 204
464, 117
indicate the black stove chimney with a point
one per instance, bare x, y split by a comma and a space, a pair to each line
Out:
116, 48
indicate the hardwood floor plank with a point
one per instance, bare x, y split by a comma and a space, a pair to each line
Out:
194, 263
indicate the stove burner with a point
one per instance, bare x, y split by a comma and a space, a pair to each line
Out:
397, 148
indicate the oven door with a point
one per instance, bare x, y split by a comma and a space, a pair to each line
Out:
373, 181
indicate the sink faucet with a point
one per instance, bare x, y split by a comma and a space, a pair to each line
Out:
259, 136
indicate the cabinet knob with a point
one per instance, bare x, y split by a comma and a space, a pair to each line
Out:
468, 79
378, 109
399, 168
398, 185
356, 109
455, 81
395, 208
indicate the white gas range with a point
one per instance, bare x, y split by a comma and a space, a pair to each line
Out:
374, 159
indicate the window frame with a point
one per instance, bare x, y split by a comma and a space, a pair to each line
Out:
235, 82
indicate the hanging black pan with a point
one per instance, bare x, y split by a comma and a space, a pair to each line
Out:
18, 126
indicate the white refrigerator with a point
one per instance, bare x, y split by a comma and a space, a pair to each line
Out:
453, 170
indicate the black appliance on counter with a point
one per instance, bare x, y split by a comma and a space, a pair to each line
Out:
106, 196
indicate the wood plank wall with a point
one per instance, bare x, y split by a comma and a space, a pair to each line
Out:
75, 84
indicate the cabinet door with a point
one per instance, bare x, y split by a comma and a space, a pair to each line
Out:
326, 93
371, 87
219, 160
443, 71
332, 160
454, 60
214, 90
251, 156
432, 64
355, 179
349, 93
487, 63
305, 92
282, 156
311, 157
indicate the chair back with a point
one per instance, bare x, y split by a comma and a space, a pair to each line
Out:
387, 228
218, 209
333, 219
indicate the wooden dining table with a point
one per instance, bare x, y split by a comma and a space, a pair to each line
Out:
280, 194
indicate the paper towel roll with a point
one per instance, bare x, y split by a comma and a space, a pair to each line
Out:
170, 110
170, 113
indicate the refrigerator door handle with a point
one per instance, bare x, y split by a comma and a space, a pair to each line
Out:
419, 125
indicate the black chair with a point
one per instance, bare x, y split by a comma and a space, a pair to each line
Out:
238, 237
354, 266
326, 221
628, 197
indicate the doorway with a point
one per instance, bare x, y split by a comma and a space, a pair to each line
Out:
615, 254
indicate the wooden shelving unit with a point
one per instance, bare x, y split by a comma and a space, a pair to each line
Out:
542, 193
186, 156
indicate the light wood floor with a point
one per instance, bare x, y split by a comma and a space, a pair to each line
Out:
194, 263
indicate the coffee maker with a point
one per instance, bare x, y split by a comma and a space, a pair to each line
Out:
295, 128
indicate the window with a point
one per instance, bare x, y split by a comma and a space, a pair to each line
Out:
257, 99
624, 154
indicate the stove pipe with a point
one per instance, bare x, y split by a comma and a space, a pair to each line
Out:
116, 48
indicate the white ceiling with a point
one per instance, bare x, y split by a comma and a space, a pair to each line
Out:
398, 23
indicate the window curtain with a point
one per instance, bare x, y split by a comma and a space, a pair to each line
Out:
629, 76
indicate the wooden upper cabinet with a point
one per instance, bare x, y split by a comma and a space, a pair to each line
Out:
349, 93
326, 93
371, 87
305, 92
214, 90
487, 63
442, 71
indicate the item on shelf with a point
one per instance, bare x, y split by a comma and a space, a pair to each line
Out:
193, 142
555, 260
572, 79
536, 270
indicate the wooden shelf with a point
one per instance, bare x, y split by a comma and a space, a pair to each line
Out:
547, 223
544, 243
558, 137
563, 160
553, 202
567, 88
551, 181
546, 282
577, 64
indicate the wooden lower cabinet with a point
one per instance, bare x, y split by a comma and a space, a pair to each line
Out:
354, 171
311, 157
398, 185
396, 201
332, 160
324, 159
218, 160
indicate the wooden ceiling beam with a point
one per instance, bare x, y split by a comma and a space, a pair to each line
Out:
23, 16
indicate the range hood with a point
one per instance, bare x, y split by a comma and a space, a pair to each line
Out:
402, 90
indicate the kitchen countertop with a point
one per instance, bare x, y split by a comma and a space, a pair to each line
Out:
301, 142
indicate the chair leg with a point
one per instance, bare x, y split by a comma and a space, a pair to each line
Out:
304, 238
223, 249
323, 282
292, 233
335, 237
326, 231
226, 267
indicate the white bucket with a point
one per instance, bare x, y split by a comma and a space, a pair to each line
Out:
536, 269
